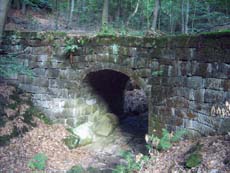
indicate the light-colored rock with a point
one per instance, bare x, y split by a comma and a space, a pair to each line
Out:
85, 133
105, 124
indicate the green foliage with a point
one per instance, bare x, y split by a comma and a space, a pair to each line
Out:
70, 45
71, 141
5, 139
33, 112
194, 157
157, 73
178, 135
165, 142
76, 169
80, 169
107, 30
10, 66
38, 162
38, 4
133, 163
193, 160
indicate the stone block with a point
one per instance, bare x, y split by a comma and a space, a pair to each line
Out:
219, 70
224, 126
33, 89
200, 69
52, 73
213, 96
199, 95
177, 102
198, 127
62, 93
214, 83
195, 82
226, 85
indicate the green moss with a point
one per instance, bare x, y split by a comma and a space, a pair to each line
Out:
71, 141
76, 169
194, 157
38, 162
193, 160
32, 111
13, 105
4, 140
16, 98
222, 32
28, 117
3, 121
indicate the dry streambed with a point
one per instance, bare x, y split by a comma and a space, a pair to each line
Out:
28, 140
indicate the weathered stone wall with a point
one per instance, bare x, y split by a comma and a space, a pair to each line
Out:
186, 78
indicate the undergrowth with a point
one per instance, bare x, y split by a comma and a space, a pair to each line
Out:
136, 163
38, 162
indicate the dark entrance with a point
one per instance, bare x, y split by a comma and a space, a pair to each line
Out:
126, 100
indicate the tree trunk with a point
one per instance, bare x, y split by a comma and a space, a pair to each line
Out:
3, 13
155, 15
133, 14
182, 17
186, 18
71, 13
23, 7
194, 15
57, 14
105, 13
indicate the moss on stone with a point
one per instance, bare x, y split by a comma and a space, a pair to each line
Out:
193, 160
71, 141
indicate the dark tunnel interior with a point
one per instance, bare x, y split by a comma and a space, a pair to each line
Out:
109, 85
123, 98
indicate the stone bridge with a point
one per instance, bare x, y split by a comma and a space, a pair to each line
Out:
186, 78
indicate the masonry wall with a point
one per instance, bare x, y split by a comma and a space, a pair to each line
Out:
186, 78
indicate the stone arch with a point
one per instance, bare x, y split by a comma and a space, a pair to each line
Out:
114, 67
129, 74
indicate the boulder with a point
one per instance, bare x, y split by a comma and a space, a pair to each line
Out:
85, 133
105, 124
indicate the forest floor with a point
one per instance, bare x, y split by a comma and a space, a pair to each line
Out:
39, 20
48, 139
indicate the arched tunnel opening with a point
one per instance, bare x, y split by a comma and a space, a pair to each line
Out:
125, 99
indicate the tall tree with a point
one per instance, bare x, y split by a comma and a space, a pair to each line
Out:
4, 4
134, 12
155, 15
105, 13
71, 13
184, 16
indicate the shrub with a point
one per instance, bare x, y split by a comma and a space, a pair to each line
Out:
193, 160
107, 30
165, 142
38, 162
133, 163
76, 169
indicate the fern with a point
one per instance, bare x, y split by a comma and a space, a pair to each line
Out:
38, 161
178, 135
165, 142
